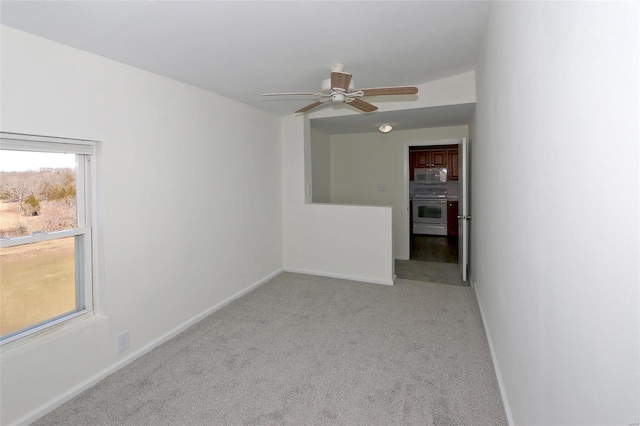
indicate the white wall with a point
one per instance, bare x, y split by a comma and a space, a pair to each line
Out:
352, 242
556, 209
362, 161
320, 166
180, 176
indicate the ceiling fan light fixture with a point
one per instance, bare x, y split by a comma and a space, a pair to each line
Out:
385, 128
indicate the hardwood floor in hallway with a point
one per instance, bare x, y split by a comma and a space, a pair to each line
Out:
432, 248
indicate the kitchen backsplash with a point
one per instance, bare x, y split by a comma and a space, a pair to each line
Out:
452, 188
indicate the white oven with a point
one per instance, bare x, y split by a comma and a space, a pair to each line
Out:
430, 217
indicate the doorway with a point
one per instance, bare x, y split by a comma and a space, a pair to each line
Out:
435, 256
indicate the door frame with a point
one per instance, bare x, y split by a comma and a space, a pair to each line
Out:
453, 142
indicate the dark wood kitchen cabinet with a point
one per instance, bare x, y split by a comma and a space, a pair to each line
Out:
418, 159
437, 156
452, 218
431, 158
421, 159
454, 164
412, 163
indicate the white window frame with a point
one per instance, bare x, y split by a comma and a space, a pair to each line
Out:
84, 232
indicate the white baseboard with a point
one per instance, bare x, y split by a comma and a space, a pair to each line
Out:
340, 276
496, 367
76, 390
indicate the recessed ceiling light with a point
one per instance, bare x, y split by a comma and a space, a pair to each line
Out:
385, 128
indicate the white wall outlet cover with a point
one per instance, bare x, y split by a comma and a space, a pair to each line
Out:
382, 187
123, 341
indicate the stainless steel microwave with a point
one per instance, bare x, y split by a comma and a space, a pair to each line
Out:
430, 175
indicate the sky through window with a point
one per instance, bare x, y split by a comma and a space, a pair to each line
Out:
17, 161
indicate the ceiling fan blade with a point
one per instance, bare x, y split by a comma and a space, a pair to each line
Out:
293, 93
377, 91
362, 105
340, 80
310, 106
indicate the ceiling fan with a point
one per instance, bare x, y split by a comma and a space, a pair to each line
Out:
340, 88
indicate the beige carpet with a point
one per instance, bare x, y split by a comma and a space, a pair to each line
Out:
303, 350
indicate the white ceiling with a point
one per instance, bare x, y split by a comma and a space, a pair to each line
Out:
242, 49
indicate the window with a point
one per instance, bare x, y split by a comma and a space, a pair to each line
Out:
46, 233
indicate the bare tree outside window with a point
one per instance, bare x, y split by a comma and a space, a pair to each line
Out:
42, 200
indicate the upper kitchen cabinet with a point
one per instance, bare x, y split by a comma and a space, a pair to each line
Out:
431, 158
420, 159
437, 156
453, 162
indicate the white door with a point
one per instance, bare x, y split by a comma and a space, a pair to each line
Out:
463, 208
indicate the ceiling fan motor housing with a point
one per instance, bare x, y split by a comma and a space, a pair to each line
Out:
325, 86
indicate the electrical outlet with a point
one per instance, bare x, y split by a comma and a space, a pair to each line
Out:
123, 341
